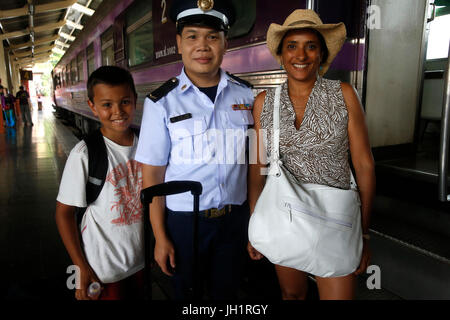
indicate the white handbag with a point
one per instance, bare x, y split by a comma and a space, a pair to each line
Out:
308, 227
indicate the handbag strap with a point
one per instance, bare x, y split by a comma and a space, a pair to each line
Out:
276, 125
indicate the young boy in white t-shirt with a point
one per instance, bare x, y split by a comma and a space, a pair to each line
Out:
110, 248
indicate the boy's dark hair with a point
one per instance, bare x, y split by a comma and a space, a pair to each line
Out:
110, 75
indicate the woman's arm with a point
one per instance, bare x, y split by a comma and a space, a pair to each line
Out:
362, 160
256, 179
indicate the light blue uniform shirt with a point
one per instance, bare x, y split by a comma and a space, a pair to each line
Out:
206, 144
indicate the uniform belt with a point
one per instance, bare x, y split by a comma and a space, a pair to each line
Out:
209, 213
216, 213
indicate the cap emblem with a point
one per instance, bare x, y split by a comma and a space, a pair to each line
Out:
205, 5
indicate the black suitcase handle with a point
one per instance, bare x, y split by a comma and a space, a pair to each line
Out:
169, 188
165, 189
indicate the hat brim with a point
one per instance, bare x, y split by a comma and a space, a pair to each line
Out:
202, 20
333, 34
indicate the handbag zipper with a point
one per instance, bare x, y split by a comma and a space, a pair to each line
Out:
314, 215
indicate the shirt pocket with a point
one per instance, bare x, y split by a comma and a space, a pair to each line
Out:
185, 136
240, 118
187, 128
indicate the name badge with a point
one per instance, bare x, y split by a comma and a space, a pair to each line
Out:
242, 106
181, 118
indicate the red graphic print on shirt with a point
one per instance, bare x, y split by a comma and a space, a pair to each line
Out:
127, 180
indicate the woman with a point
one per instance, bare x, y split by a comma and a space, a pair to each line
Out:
9, 108
320, 122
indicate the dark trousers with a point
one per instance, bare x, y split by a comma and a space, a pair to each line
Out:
26, 113
222, 249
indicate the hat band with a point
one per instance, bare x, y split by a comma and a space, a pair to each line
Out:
214, 13
301, 22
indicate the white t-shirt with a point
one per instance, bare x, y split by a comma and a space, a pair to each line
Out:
112, 226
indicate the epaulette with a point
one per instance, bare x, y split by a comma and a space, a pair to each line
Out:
163, 89
246, 83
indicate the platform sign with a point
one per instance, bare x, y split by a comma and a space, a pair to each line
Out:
26, 75
164, 33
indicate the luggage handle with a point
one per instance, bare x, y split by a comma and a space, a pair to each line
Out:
169, 188
164, 189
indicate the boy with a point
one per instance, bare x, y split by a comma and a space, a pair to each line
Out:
108, 244
200, 99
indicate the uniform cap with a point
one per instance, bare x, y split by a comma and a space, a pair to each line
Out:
217, 14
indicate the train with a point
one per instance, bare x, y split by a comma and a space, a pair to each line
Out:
384, 58
139, 36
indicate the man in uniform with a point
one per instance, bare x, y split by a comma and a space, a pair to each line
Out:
193, 128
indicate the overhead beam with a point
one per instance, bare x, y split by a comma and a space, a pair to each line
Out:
58, 5
37, 57
36, 50
36, 42
34, 61
20, 33
83, 9
50, 26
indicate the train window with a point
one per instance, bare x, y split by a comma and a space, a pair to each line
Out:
438, 39
107, 40
245, 18
139, 29
90, 56
80, 68
73, 72
67, 75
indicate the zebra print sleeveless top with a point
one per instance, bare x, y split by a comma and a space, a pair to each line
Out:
318, 151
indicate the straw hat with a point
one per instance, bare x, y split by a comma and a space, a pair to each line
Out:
334, 34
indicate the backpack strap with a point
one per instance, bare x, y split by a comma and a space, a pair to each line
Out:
98, 165
97, 169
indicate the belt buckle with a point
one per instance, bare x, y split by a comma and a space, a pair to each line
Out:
215, 213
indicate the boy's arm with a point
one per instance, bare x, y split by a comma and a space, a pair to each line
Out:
68, 230
164, 250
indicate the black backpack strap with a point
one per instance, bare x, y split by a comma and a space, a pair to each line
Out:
97, 169
98, 165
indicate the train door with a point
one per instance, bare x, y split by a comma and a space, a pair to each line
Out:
408, 133
404, 91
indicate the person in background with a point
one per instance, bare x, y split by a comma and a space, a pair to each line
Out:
25, 107
8, 108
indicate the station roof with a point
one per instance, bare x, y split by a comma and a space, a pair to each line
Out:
32, 29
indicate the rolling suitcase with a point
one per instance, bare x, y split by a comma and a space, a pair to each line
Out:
165, 189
